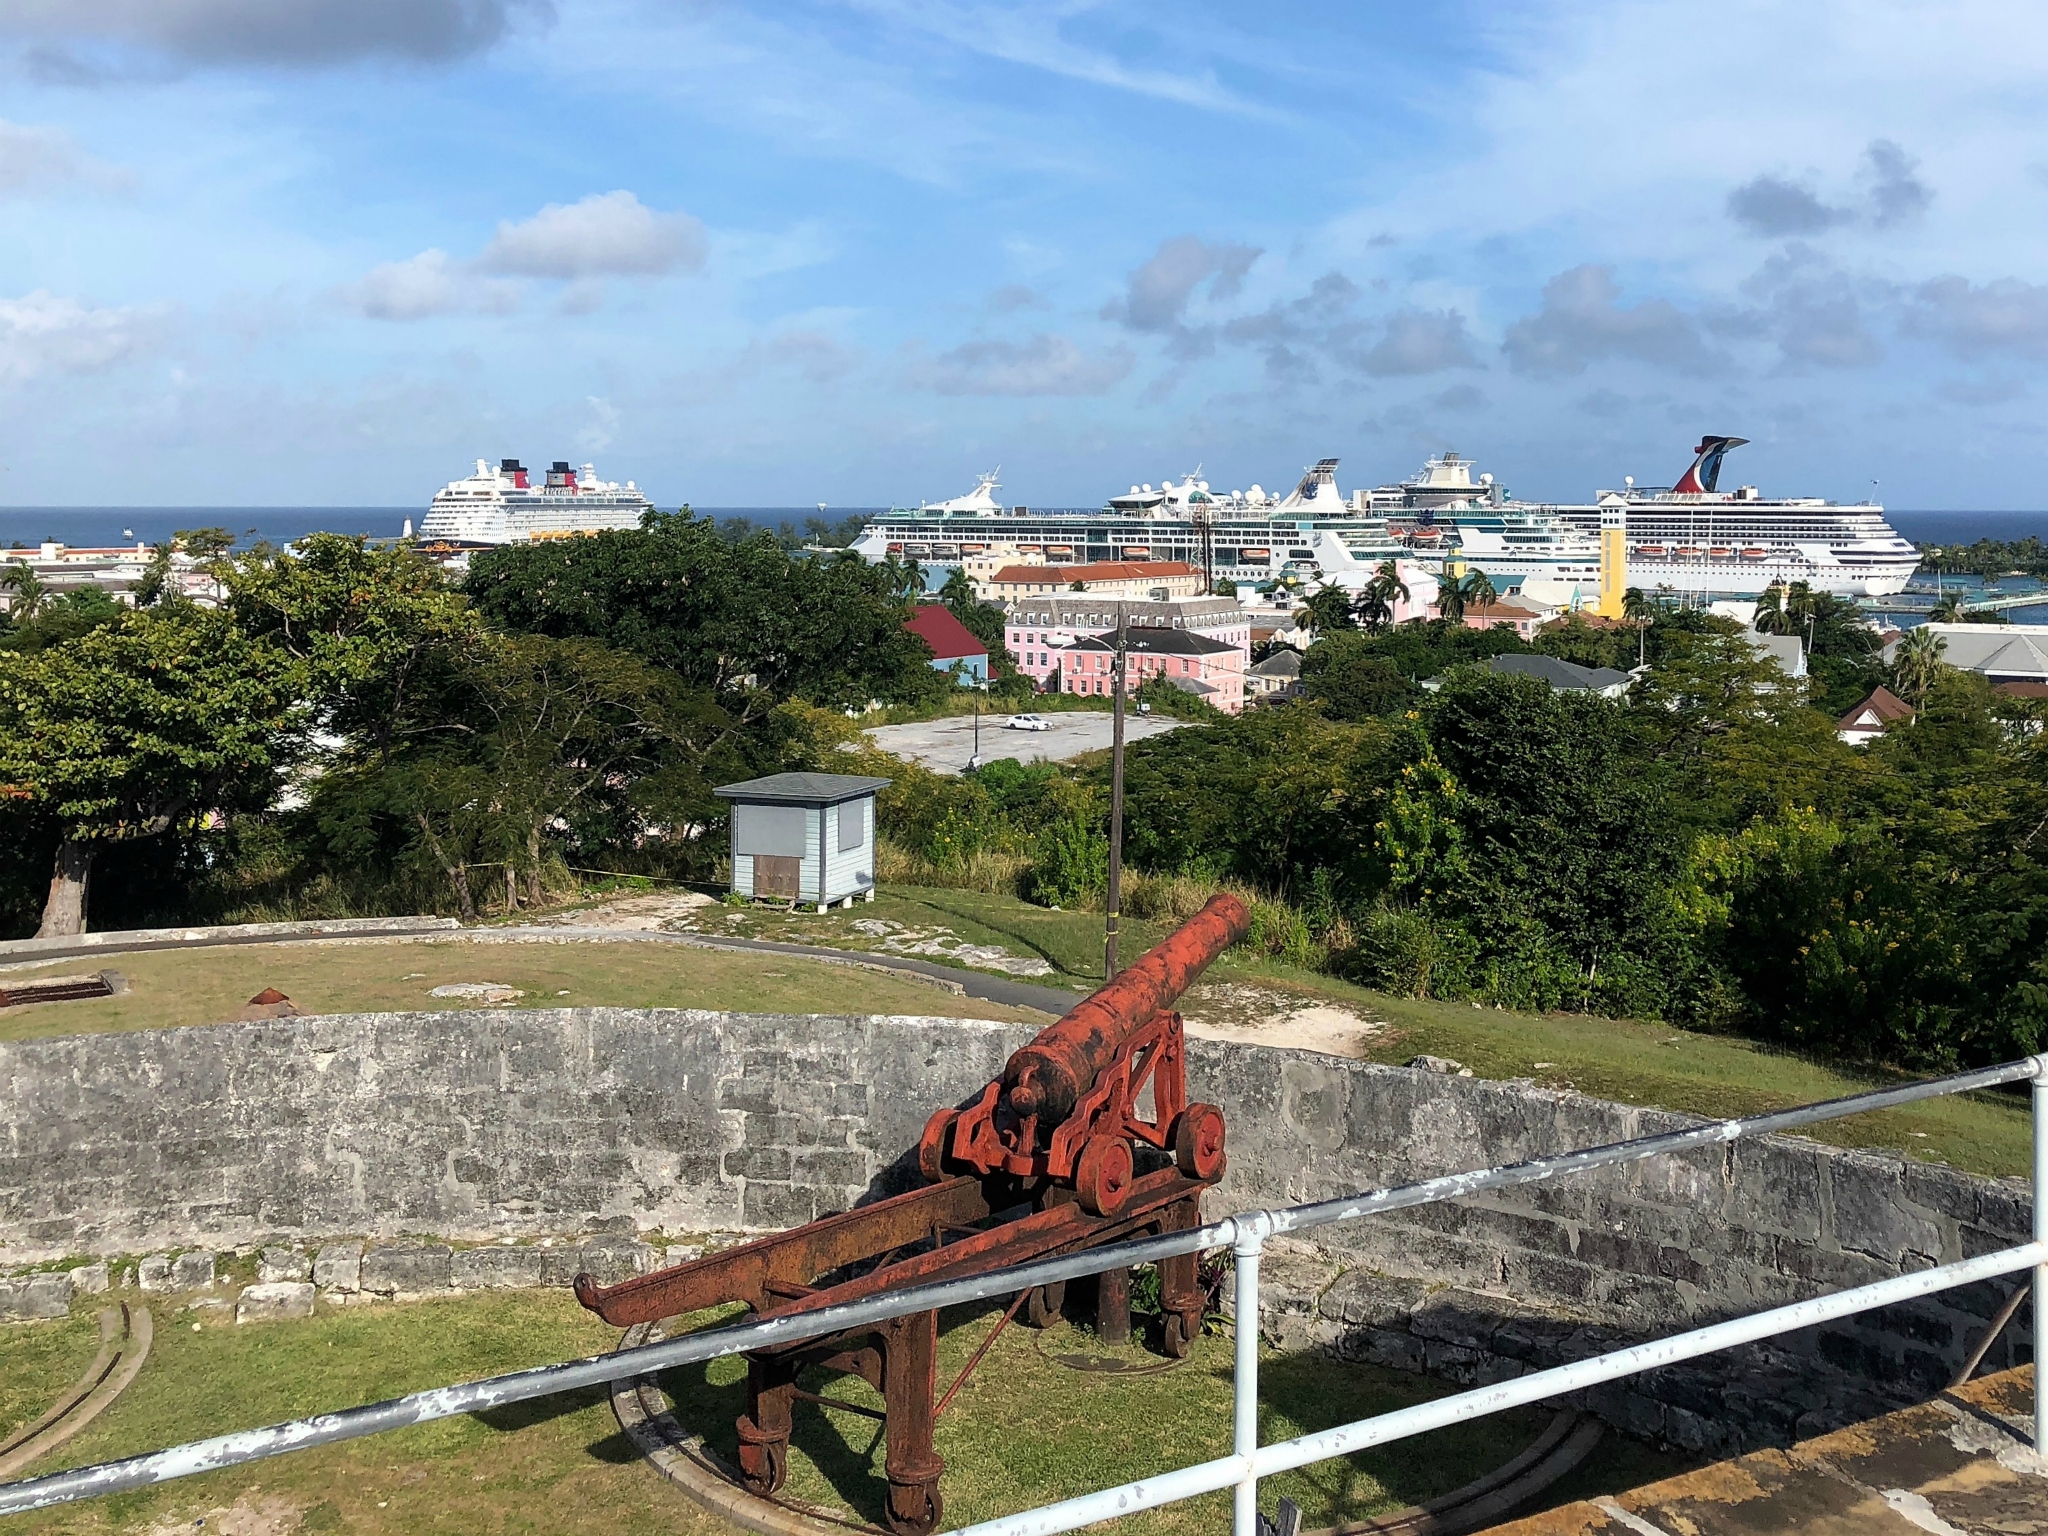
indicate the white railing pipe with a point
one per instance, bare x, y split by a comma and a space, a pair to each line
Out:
2041, 1271
1244, 1386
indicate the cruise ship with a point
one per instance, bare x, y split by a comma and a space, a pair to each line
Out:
503, 506
1689, 539
1312, 534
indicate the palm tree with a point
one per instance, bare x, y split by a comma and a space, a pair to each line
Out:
958, 592
1948, 611
28, 589
1377, 599
906, 576
1450, 597
1328, 608
1917, 666
1641, 611
1480, 591
1771, 615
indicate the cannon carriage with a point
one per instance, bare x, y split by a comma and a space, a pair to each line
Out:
1087, 1138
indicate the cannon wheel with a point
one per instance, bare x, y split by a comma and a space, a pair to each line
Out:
1198, 1141
1102, 1175
931, 1146
926, 1520
1175, 1336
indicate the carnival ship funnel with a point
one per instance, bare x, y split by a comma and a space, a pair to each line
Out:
1705, 473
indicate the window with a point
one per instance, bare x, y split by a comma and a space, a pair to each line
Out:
853, 825
776, 830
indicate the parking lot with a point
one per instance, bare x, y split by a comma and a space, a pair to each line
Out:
944, 746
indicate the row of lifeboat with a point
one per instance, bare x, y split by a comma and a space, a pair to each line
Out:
1695, 551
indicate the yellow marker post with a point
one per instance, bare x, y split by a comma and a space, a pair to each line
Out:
1613, 559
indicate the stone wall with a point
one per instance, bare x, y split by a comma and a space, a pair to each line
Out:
484, 1125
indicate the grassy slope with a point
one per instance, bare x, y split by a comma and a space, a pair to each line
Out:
1024, 1429
206, 986
1634, 1063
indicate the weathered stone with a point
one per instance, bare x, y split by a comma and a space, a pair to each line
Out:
154, 1272
610, 1260
280, 1264
339, 1267
1362, 1299
90, 1279
681, 1253
561, 1266
274, 1301
495, 1268
192, 1271
31, 1296
406, 1267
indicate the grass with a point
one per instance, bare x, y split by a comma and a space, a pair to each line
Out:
207, 986
1625, 1060
1024, 1430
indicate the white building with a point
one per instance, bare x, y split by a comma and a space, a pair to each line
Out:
1039, 628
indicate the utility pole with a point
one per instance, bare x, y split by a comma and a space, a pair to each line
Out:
1116, 800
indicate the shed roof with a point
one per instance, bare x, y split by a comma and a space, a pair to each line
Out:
1879, 709
950, 640
1100, 570
803, 788
1282, 663
1559, 673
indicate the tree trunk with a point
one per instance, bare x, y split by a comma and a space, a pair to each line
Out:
64, 912
511, 889
458, 876
535, 895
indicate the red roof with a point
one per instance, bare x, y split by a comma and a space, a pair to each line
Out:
1103, 570
950, 640
1886, 706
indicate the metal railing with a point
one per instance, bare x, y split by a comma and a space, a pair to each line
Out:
1246, 1235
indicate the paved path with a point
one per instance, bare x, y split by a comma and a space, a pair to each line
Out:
1961, 1465
944, 746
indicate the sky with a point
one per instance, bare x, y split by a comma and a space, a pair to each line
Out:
330, 252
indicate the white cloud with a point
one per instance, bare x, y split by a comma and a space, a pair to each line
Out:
44, 156
609, 234
43, 334
1043, 365
1156, 295
603, 426
2003, 315
431, 283
1420, 341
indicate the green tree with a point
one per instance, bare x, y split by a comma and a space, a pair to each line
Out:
1380, 595
1327, 610
26, 591
138, 727
1352, 679
1917, 666
1450, 597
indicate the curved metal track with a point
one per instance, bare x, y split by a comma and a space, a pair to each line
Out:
124, 1345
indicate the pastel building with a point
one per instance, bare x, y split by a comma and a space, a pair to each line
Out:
1209, 669
953, 645
804, 837
1040, 628
1105, 578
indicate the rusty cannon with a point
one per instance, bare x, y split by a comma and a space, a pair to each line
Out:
1087, 1138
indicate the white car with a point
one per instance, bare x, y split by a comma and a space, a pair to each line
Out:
1027, 723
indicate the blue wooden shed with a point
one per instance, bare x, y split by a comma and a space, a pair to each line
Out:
804, 837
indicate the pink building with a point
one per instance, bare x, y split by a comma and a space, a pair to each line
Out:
1207, 668
1038, 629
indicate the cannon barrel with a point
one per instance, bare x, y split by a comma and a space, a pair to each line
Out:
1047, 1077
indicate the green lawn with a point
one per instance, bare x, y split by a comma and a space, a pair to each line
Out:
1024, 1430
206, 986
1628, 1061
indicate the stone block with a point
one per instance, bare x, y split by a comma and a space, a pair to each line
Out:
33, 1296
610, 1260
775, 1207
757, 1163
274, 1301
275, 1265
192, 1271
834, 1168
154, 1272
90, 1279
681, 1253
561, 1265
1872, 1214
339, 1267
1362, 1299
477, 1269
1778, 1186
406, 1267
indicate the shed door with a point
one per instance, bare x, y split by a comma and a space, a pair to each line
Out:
777, 876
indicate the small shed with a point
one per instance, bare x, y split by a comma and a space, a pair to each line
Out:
804, 837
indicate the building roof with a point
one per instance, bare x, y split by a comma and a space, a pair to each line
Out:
1559, 673
2002, 652
950, 640
1506, 611
1788, 651
1164, 642
1282, 663
2021, 690
1880, 709
1102, 570
802, 788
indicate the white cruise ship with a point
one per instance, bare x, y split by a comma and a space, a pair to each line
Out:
1690, 539
1249, 537
503, 506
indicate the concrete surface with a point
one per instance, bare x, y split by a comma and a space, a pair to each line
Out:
1961, 1465
945, 745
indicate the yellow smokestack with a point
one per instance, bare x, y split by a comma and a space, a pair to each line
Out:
1613, 559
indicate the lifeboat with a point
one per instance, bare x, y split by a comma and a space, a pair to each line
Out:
1030, 549
946, 551
1655, 550
1753, 554
1719, 552
895, 549
1059, 551
1137, 551
1425, 535
1255, 556
972, 549
1686, 551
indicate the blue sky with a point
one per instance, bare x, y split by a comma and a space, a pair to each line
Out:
331, 251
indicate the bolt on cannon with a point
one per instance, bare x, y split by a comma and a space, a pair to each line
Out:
1045, 1161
